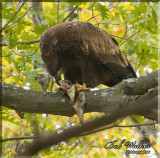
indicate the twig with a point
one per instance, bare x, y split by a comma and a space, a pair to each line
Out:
113, 6
23, 42
8, 75
58, 10
23, 15
92, 17
124, 35
153, 47
70, 13
17, 138
20, 54
6, 25
99, 14
75, 145
130, 37
118, 37
83, 147
138, 64
137, 35
110, 23
77, 14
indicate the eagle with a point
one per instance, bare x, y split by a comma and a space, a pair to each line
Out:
84, 53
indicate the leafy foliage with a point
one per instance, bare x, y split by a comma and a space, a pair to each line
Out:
135, 27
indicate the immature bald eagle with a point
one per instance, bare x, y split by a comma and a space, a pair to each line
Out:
84, 53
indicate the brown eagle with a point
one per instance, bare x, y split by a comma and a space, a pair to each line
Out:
84, 53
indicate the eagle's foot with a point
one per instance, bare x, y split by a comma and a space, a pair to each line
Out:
81, 88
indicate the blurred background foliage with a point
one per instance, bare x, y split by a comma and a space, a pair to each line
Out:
135, 27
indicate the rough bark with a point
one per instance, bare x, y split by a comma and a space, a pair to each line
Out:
46, 141
105, 100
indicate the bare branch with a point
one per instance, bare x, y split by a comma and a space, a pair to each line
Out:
70, 13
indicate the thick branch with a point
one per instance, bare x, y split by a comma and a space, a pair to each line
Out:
46, 141
140, 85
105, 100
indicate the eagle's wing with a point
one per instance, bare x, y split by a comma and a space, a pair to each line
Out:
90, 40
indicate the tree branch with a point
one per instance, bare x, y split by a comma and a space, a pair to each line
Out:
46, 141
6, 25
70, 13
22, 15
17, 138
106, 100
22, 42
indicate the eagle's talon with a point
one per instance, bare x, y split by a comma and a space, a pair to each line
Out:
104, 64
81, 88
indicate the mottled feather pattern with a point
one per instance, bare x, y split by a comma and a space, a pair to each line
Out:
86, 53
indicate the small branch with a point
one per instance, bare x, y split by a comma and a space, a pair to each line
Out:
100, 14
23, 42
70, 13
6, 25
124, 34
153, 47
110, 23
93, 17
16, 138
130, 37
58, 10
22, 15
118, 36
77, 14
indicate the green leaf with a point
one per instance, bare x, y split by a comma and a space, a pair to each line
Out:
154, 18
103, 11
147, 14
91, 6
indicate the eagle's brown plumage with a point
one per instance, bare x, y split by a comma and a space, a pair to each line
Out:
85, 53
